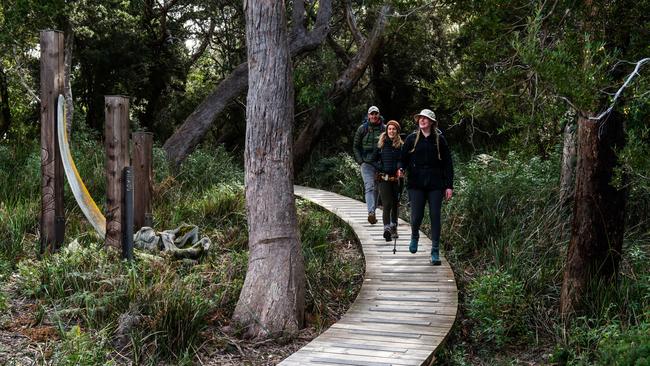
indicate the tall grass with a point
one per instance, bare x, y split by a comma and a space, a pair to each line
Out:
333, 278
85, 289
340, 174
506, 237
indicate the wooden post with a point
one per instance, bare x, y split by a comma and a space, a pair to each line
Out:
127, 224
116, 135
52, 216
142, 178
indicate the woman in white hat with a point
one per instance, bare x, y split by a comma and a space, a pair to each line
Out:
427, 160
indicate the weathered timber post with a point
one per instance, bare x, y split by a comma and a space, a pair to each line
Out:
127, 224
116, 135
52, 216
142, 178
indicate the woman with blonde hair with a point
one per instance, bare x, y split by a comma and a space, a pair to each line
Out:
389, 172
427, 160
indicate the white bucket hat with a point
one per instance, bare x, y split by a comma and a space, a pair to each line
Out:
373, 109
426, 113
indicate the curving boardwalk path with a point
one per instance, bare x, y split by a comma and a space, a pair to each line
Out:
405, 307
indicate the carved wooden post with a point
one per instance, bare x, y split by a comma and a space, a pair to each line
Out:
142, 178
52, 216
116, 135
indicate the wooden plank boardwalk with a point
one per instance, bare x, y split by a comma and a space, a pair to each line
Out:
405, 308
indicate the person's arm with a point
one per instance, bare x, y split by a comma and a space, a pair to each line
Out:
406, 147
400, 169
357, 146
448, 167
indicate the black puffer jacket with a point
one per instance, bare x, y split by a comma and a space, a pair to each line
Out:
390, 158
424, 169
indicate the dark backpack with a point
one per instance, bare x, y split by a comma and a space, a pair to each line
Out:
365, 127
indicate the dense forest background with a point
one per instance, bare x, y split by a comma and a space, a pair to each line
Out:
510, 82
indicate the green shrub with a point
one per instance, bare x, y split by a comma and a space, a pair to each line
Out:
20, 171
80, 348
3, 302
17, 220
315, 227
497, 302
332, 281
629, 347
339, 174
205, 168
176, 316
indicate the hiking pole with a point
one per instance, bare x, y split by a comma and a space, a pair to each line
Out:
395, 246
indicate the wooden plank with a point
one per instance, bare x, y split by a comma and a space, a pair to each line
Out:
404, 309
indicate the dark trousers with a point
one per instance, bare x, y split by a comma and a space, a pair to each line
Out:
388, 191
418, 198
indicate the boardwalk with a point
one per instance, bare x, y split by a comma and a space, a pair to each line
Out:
405, 307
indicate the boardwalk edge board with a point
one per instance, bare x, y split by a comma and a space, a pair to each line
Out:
405, 308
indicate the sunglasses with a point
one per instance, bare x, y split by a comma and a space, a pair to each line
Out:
374, 113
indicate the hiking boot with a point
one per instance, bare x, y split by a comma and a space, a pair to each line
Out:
387, 235
413, 245
435, 258
371, 218
393, 232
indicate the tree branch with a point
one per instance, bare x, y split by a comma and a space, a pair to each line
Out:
359, 39
204, 44
620, 90
343, 85
191, 132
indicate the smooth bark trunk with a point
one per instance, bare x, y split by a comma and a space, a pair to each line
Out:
272, 299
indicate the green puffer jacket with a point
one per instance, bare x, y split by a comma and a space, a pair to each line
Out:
365, 142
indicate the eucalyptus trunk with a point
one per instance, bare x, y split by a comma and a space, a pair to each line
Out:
596, 244
273, 296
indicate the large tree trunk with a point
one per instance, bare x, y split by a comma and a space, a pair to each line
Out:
5, 111
347, 80
191, 132
272, 299
599, 212
567, 172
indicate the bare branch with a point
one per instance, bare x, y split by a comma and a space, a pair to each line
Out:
343, 85
22, 81
359, 39
622, 88
189, 134
204, 44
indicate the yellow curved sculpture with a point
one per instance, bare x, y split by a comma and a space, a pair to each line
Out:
79, 190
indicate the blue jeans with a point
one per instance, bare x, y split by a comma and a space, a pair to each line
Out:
368, 172
418, 199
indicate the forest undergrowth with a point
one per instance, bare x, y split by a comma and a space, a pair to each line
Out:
84, 306
506, 235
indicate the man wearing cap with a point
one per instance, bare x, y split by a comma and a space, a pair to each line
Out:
427, 160
365, 154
